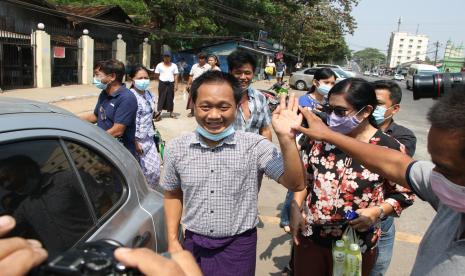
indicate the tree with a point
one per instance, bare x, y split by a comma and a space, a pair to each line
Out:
312, 28
369, 58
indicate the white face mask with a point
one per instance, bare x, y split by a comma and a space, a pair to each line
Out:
449, 193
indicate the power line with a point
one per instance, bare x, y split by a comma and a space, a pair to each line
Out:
109, 23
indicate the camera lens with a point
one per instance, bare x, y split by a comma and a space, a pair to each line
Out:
436, 85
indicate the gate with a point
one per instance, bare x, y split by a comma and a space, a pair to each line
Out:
16, 61
102, 50
64, 55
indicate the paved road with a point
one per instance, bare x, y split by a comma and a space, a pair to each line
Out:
274, 245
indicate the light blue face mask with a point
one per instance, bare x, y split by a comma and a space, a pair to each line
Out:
378, 114
142, 84
215, 137
323, 89
99, 84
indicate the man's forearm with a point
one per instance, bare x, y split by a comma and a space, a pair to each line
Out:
89, 117
389, 163
117, 130
173, 212
293, 177
299, 197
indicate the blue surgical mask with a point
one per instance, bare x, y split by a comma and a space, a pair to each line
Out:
99, 84
379, 113
215, 137
142, 84
323, 89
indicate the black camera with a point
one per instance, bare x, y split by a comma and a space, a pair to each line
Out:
437, 85
91, 258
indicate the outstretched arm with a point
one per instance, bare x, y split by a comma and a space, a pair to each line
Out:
386, 162
284, 118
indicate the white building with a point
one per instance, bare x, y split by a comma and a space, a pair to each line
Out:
404, 47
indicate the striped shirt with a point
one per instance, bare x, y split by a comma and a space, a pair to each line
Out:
220, 185
260, 115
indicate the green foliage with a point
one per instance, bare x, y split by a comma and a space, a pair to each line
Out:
368, 58
312, 28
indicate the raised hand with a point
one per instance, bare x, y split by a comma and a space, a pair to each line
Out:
317, 130
285, 117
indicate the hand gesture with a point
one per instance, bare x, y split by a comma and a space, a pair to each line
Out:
18, 255
317, 130
285, 117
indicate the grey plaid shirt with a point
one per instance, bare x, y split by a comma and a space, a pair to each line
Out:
260, 115
220, 185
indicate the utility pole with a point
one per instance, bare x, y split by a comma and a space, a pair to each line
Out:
436, 54
418, 27
398, 24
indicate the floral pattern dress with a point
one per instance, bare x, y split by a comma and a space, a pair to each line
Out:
337, 183
149, 160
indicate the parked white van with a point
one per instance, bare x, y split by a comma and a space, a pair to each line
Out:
419, 69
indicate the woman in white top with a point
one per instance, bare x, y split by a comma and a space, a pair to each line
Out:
214, 63
167, 73
146, 149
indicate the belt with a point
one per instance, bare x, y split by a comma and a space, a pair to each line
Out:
167, 82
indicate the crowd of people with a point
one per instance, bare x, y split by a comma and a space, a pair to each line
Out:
339, 150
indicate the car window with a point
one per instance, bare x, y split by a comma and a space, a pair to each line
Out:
40, 189
310, 72
103, 182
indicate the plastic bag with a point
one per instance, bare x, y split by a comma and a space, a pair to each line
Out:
353, 265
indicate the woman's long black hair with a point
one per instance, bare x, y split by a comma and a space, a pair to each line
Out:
322, 74
358, 93
134, 71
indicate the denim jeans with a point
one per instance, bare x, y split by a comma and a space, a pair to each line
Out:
286, 208
385, 246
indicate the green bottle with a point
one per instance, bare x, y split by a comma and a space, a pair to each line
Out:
354, 260
339, 258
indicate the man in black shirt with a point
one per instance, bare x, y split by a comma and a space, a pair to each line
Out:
389, 95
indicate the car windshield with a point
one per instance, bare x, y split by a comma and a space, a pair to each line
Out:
340, 73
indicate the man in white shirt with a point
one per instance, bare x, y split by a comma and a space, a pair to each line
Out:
197, 69
167, 74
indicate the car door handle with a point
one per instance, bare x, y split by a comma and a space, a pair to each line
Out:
141, 240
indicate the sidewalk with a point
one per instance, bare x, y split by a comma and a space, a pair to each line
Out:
74, 92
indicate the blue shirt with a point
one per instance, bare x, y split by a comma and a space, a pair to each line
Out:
307, 101
119, 108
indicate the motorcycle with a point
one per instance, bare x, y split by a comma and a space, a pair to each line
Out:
273, 94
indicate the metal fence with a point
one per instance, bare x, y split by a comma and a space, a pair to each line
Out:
16, 60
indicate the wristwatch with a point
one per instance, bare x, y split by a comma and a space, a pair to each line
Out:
381, 214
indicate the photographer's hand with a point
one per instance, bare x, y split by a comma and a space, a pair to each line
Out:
18, 255
149, 263
316, 130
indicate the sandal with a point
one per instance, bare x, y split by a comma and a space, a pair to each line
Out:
157, 116
173, 116
190, 115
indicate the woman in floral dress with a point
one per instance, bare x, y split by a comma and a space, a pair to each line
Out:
146, 148
337, 184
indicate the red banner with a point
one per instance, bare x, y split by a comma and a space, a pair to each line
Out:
59, 52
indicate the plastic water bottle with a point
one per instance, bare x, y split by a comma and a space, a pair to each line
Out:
339, 258
354, 260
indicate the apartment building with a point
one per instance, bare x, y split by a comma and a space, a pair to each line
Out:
405, 47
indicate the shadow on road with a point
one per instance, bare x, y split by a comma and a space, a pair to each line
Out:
279, 261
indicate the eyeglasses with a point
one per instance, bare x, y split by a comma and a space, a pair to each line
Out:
338, 111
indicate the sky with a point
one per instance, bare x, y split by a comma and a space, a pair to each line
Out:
376, 19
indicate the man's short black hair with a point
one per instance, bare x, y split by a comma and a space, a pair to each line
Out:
395, 92
216, 77
202, 55
239, 58
448, 113
111, 66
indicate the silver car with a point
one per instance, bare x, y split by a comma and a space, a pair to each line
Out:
67, 181
302, 80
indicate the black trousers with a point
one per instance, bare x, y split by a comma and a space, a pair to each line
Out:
165, 96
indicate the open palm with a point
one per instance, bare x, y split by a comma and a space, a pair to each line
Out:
285, 117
